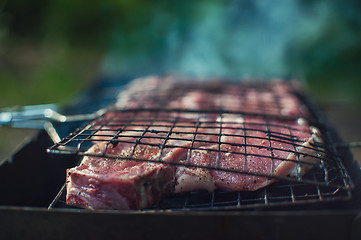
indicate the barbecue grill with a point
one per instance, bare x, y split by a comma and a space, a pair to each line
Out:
324, 201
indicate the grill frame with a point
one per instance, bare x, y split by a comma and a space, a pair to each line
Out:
306, 197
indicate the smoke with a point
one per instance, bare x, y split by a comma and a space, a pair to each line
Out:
231, 39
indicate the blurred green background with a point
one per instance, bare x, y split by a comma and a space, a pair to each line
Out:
52, 50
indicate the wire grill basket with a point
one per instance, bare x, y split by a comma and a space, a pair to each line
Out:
156, 125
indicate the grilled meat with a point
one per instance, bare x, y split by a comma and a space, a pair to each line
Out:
105, 183
247, 142
274, 98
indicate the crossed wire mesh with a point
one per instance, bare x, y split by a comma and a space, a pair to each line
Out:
166, 130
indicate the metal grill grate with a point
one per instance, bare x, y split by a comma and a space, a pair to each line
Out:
267, 129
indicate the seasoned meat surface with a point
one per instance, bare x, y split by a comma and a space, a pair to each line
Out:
272, 149
106, 183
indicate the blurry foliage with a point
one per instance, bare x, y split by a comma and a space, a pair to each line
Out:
48, 53
331, 60
51, 50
